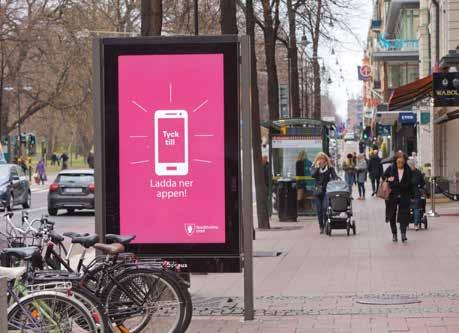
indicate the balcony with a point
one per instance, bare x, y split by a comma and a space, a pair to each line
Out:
396, 50
376, 25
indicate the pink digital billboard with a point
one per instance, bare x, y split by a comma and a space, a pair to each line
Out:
171, 148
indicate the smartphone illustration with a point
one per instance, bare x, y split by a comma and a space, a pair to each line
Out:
171, 142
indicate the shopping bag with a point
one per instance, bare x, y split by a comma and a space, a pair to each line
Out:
384, 191
36, 178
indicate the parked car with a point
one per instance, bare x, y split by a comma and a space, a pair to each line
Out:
14, 187
72, 190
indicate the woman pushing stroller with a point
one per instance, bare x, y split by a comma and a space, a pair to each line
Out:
322, 171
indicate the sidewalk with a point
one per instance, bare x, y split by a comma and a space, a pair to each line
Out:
315, 284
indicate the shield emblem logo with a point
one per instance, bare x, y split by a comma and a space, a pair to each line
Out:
189, 229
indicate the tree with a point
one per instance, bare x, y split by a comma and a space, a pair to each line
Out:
293, 58
260, 185
270, 31
151, 17
228, 22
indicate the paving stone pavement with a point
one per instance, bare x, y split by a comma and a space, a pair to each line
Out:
315, 284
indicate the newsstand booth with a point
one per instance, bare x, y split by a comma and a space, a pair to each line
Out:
292, 140
168, 165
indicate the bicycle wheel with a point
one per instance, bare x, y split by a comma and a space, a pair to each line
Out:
50, 311
141, 299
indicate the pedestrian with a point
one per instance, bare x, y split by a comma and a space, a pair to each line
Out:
349, 171
23, 164
90, 159
398, 175
361, 169
414, 158
266, 171
300, 178
418, 183
64, 158
375, 170
54, 159
41, 172
322, 171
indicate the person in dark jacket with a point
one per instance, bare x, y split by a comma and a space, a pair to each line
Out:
399, 176
418, 182
322, 171
301, 184
375, 171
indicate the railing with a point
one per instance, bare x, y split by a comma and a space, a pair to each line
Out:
398, 44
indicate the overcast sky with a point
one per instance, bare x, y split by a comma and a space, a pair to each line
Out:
349, 53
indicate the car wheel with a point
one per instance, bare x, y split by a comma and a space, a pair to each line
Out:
10, 203
28, 203
70, 210
52, 211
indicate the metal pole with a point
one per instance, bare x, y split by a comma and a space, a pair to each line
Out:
246, 205
196, 18
433, 168
19, 120
290, 111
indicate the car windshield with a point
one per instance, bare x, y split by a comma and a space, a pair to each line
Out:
4, 173
76, 178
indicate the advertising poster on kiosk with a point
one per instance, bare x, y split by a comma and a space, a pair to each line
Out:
167, 131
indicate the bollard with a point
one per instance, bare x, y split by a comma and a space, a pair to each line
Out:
432, 212
3, 306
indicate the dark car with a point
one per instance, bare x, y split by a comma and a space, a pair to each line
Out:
14, 187
72, 190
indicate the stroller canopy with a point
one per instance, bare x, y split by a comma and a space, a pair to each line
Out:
337, 186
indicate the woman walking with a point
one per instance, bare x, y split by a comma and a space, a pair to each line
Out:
375, 170
41, 172
349, 171
361, 175
399, 175
418, 182
322, 172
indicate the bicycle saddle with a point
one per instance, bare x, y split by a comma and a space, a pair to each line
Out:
12, 273
112, 249
55, 237
86, 241
123, 239
71, 234
22, 252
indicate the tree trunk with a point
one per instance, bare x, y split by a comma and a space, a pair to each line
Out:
293, 55
260, 184
270, 54
316, 112
228, 22
316, 66
151, 17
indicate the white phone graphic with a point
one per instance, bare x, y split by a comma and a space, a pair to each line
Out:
171, 142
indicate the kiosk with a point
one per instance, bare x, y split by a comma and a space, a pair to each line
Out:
294, 143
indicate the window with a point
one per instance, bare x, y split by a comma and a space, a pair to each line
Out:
409, 23
401, 74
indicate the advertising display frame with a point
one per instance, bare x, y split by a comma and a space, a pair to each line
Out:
209, 257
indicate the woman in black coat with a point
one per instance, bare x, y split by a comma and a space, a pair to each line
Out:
375, 171
399, 176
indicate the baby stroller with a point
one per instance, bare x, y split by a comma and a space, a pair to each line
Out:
339, 211
423, 213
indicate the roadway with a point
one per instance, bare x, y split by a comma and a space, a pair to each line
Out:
79, 221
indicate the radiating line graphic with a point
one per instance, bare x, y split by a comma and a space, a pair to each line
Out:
203, 135
139, 106
170, 92
140, 162
201, 105
138, 136
203, 161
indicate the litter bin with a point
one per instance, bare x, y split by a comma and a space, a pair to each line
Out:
286, 198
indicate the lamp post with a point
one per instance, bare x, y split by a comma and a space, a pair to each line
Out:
196, 18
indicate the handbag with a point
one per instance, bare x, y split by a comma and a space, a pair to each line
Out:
318, 191
384, 191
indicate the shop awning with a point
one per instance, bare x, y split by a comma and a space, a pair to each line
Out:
447, 117
410, 93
